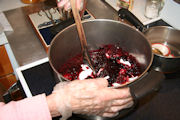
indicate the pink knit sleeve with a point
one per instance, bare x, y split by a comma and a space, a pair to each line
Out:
34, 108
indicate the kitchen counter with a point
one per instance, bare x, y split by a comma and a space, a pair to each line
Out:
26, 45
6, 5
24, 42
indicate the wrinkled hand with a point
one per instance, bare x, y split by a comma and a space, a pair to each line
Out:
90, 97
66, 4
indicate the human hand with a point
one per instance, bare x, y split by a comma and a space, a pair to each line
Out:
66, 5
90, 97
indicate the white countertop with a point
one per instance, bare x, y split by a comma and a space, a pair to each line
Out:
169, 13
10, 4
4, 6
3, 39
138, 10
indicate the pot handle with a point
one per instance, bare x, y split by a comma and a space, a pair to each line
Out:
14, 93
126, 14
147, 84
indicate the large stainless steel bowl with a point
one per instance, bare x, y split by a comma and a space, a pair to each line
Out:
99, 32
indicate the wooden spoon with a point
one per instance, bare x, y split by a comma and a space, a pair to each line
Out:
82, 37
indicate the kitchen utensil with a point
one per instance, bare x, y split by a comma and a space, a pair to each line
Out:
98, 33
159, 34
155, 50
81, 34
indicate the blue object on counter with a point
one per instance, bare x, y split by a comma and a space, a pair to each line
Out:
47, 35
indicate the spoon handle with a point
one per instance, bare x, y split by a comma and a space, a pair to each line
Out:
81, 33
80, 29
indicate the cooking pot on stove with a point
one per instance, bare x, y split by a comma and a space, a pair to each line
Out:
165, 39
99, 32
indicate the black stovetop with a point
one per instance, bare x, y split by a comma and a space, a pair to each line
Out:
162, 105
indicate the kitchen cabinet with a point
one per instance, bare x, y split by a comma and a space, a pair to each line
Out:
7, 77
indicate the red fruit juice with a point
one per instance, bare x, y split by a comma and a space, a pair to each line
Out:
109, 60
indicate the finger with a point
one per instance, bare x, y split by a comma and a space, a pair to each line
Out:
79, 4
110, 114
67, 6
115, 94
114, 109
121, 101
62, 3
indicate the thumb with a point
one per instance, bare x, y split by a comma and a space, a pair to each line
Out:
80, 4
61, 3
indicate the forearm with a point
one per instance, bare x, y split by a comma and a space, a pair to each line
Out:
52, 105
26, 109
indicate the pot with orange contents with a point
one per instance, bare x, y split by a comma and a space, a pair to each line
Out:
165, 43
116, 50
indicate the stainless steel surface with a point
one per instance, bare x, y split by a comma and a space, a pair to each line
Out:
23, 40
167, 36
1, 28
101, 10
171, 38
107, 32
159, 34
82, 36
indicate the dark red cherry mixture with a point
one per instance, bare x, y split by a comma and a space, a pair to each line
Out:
109, 60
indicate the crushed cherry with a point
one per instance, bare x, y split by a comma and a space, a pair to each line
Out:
109, 60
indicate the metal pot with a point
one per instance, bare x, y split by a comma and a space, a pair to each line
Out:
99, 32
159, 34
